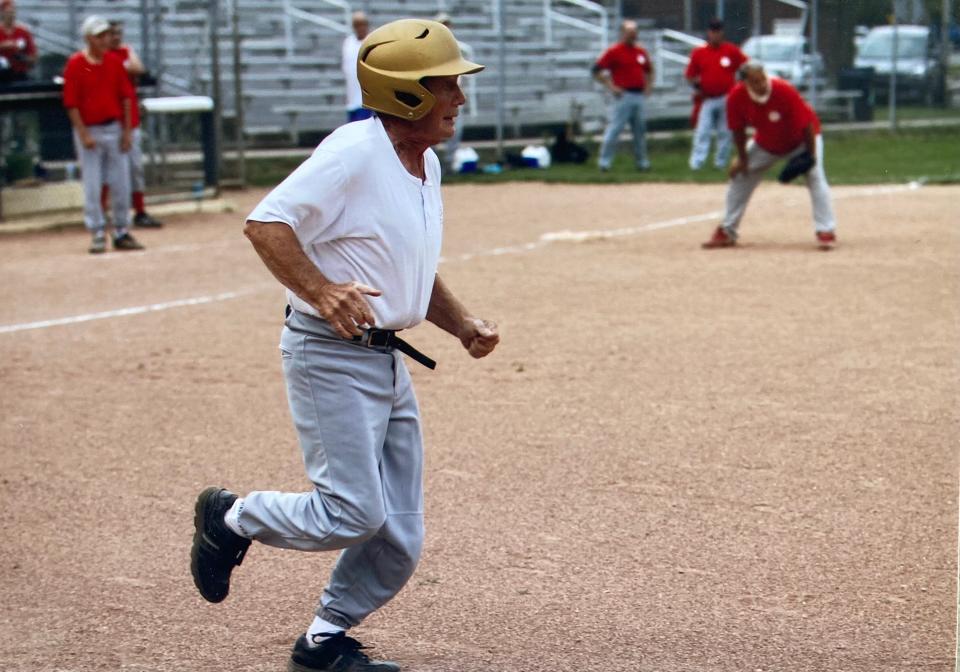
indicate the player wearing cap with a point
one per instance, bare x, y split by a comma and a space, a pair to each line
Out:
624, 69
785, 127
18, 53
348, 65
712, 71
354, 234
97, 94
135, 68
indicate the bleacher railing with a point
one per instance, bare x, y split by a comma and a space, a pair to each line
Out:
552, 15
663, 52
291, 12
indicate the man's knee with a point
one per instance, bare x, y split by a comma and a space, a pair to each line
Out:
360, 521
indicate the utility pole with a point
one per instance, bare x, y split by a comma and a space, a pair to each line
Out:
688, 16
946, 16
720, 7
757, 18
501, 79
213, 19
814, 24
893, 68
145, 35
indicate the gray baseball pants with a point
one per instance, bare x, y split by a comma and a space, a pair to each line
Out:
758, 161
359, 427
104, 164
137, 180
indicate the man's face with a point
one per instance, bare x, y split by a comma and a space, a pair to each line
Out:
115, 37
440, 122
757, 82
361, 27
629, 33
714, 37
99, 44
8, 15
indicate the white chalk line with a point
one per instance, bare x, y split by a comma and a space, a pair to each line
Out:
122, 312
544, 240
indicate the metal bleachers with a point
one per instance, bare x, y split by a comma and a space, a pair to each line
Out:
290, 51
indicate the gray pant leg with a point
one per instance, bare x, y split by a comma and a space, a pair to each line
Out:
724, 136
92, 173
619, 116
742, 186
822, 201
135, 156
116, 172
340, 399
369, 574
638, 126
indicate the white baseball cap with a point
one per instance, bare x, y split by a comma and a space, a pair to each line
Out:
94, 25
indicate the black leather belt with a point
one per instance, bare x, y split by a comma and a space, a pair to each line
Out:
387, 338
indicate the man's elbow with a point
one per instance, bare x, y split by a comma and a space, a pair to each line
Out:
253, 231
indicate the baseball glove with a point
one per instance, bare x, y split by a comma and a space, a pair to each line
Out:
798, 165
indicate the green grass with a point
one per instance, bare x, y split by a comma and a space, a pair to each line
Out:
851, 158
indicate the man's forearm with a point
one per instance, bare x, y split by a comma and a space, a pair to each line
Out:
126, 114
740, 140
74, 115
281, 252
810, 139
445, 310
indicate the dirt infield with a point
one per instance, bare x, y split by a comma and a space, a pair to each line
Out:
677, 461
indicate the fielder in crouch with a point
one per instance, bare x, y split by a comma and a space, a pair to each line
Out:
354, 234
785, 126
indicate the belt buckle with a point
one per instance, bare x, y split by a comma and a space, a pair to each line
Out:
370, 337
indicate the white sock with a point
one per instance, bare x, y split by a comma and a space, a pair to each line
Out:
232, 518
319, 630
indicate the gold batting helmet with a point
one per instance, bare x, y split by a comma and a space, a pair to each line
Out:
395, 58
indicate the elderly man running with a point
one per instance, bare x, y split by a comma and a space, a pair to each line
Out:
354, 235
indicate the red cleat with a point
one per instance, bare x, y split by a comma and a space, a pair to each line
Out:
826, 240
720, 239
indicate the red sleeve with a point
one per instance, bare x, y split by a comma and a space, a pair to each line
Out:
606, 60
120, 73
739, 58
31, 45
71, 88
693, 67
736, 119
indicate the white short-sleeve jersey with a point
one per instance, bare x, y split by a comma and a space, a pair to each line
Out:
361, 216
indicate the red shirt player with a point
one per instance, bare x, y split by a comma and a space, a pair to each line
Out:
625, 69
712, 71
785, 126
16, 44
135, 68
97, 94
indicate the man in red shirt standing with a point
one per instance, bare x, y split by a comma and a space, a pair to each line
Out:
712, 72
785, 127
18, 53
135, 68
625, 69
97, 94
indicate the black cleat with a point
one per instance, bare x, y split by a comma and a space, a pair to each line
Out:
216, 548
337, 653
145, 221
126, 242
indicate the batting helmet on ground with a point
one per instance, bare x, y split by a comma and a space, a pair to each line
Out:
396, 57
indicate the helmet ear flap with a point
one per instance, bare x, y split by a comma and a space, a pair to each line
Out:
409, 99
